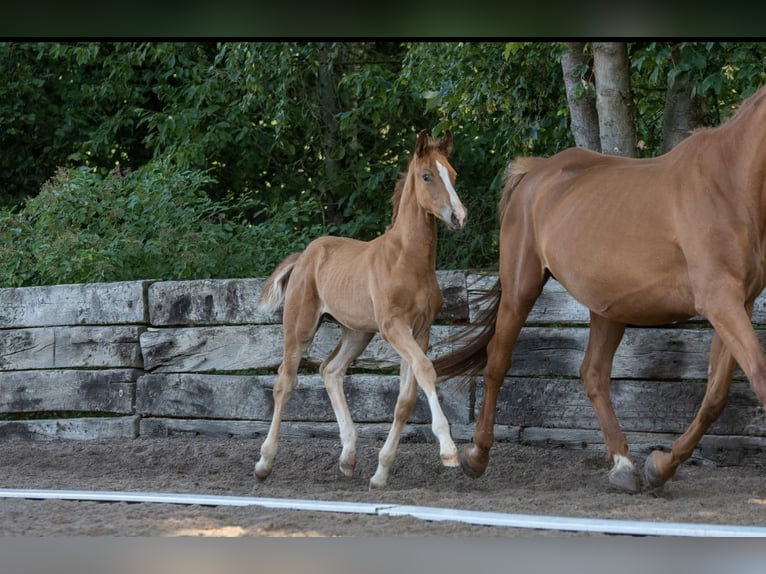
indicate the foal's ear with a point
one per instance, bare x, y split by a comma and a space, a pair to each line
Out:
421, 146
445, 144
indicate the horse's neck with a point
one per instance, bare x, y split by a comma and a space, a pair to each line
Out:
414, 229
742, 151
744, 137
746, 144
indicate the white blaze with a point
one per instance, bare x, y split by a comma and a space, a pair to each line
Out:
457, 205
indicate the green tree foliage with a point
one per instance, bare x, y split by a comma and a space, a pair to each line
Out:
152, 223
501, 100
721, 73
127, 160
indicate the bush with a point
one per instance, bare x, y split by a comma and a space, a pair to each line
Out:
156, 222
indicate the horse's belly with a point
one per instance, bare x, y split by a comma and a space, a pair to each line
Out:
654, 304
628, 271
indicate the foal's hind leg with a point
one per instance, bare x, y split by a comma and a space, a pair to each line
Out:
300, 325
404, 404
596, 371
661, 466
286, 381
333, 370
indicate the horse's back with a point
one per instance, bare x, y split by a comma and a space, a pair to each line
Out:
592, 189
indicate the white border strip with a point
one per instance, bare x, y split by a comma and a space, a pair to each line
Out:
198, 499
576, 524
560, 523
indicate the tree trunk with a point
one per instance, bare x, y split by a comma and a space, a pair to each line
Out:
682, 112
329, 109
613, 100
582, 102
330, 128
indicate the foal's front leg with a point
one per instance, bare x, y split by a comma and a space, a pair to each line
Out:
400, 336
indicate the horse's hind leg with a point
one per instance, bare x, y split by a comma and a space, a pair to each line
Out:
333, 370
515, 304
596, 372
661, 466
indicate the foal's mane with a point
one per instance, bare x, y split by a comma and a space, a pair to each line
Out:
396, 199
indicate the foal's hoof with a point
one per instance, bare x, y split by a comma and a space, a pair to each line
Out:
625, 479
451, 460
378, 481
261, 473
651, 473
468, 464
347, 468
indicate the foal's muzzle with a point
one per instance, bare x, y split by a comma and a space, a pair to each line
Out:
453, 218
457, 218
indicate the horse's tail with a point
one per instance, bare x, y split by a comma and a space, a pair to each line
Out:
273, 292
515, 172
469, 359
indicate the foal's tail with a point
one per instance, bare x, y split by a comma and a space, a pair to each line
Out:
470, 358
273, 292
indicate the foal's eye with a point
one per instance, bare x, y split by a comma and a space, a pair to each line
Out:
426, 178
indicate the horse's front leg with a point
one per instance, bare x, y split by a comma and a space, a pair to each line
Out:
661, 466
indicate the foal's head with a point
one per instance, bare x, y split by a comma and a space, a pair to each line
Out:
433, 179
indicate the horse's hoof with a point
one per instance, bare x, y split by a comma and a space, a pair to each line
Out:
625, 479
651, 474
470, 469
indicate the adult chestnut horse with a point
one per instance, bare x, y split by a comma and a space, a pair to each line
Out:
640, 242
386, 285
